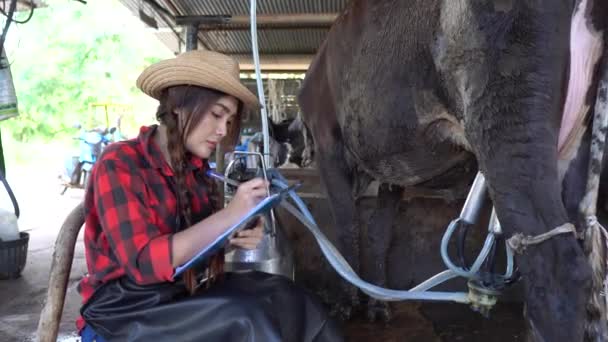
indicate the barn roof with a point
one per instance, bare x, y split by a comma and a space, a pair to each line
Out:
289, 31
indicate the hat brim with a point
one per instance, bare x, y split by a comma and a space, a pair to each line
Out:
157, 77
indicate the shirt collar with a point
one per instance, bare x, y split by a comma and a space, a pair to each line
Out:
155, 157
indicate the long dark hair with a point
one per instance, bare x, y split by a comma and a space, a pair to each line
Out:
192, 102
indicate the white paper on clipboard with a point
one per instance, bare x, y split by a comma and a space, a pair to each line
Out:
265, 205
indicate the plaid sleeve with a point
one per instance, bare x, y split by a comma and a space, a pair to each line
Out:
138, 244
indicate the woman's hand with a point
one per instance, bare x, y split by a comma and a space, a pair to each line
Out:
188, 242
249, 238
247, 196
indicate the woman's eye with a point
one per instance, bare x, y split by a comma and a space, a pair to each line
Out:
216, 115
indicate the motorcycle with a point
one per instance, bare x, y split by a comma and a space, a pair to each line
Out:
77, 168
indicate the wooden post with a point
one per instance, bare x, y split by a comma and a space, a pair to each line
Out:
191, 37
61, 265
219, 162
264, 21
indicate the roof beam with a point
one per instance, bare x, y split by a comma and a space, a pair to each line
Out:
275, 62
172, 8
266, 21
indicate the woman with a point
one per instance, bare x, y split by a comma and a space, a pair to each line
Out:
150, 208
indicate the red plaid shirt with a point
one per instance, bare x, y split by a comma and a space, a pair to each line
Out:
131, 214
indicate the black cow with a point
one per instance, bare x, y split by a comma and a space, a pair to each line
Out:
405, 91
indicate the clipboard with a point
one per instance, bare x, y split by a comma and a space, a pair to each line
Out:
265, 205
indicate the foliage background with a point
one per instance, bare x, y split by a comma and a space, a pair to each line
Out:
66, 58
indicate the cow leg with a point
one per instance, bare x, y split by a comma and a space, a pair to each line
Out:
523, 182
337, 179
526, 194
511, 120
307, 157
573, 190
379, 236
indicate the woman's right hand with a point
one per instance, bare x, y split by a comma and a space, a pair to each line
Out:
188, 242
247, 196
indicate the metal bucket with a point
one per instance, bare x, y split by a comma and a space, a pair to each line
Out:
274, 254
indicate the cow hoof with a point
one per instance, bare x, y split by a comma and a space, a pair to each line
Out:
378, 311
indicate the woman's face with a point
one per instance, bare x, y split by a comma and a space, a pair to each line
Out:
213, 127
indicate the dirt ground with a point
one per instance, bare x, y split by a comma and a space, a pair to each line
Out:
43, 210
441, 322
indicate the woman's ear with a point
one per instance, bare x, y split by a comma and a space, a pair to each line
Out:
182, 119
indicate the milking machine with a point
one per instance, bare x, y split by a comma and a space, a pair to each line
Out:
484, 284
274, 254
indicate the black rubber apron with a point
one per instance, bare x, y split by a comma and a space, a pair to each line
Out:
251, 306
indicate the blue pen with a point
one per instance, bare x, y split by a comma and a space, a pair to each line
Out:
221, 178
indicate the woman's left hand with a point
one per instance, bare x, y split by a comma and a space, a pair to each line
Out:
249, 238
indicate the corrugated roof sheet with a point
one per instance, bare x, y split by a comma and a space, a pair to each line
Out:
293, 41
135, 6
270, 41
239, 7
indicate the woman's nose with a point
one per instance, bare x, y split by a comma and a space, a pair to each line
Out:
222, 128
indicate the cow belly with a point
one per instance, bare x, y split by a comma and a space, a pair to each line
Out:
409, 166
586, 46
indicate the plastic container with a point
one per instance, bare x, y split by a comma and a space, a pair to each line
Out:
13, 255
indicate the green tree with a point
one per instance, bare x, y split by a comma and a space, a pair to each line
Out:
70, 56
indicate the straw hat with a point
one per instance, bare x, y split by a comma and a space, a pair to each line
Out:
200, 68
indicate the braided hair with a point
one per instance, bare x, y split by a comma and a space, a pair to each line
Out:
181, 109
